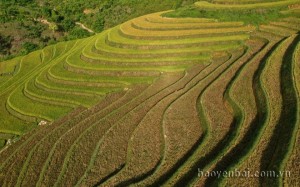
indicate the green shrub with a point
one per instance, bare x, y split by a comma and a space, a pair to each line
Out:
67, 24
78, 32
98, 25
2, 143
28, 47
5, 44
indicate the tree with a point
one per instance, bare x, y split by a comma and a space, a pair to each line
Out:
67, 24
5, 44
78, 33
35, 31
99, 23
28, 47
46, 12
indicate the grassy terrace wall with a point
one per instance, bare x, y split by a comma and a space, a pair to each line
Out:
153, 101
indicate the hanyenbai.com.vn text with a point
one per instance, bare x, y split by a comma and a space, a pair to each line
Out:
245, 174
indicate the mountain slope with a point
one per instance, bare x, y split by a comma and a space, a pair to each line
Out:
155, 101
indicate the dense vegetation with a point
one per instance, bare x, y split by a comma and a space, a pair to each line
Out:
211, 87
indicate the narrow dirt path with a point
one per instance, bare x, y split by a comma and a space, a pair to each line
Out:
84, 27
44, 21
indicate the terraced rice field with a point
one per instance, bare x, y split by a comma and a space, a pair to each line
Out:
248, 4
154, 101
